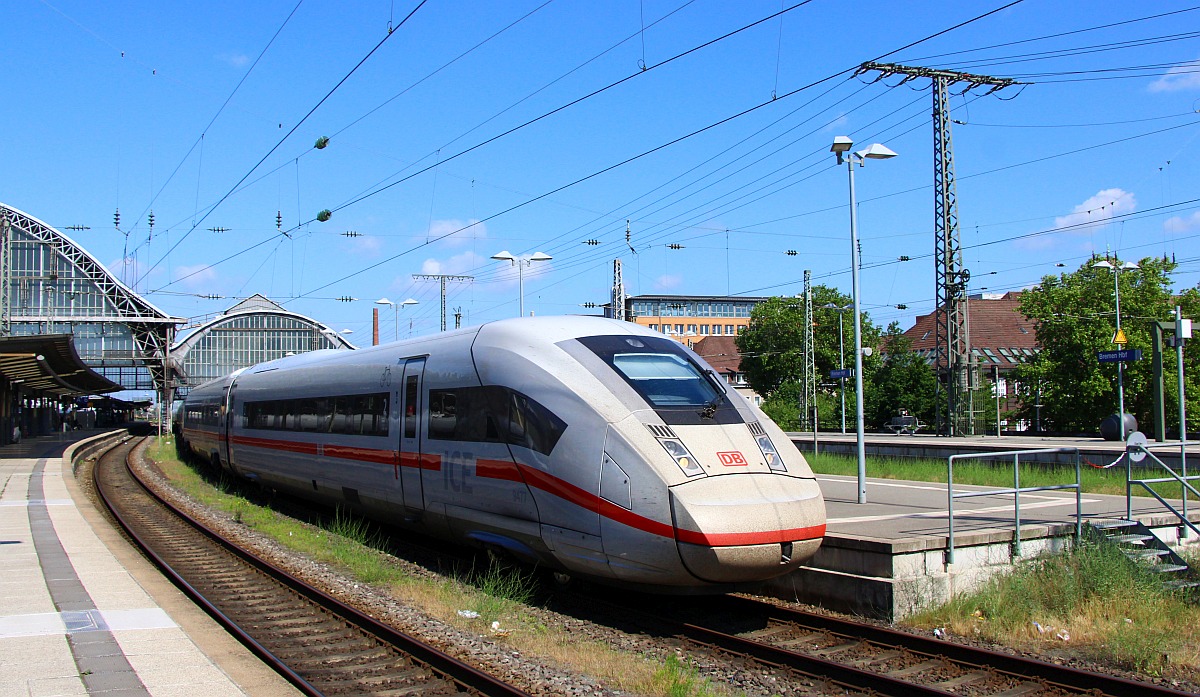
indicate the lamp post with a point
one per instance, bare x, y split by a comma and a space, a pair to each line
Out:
521, 263
841, 356
841, 148
396, 310
1117, 269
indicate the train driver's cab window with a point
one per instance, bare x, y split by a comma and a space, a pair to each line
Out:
681, 389
665, 380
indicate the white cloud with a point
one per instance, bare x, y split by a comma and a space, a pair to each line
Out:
457, 233
366, 245
667, 282
1179, 78
1178, 224
198, 277
1098, 210
458, 264
236, 60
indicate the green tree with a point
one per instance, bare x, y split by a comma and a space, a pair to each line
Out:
1076, 320
772, 349
904, 380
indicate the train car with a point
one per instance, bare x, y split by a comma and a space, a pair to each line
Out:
590, 446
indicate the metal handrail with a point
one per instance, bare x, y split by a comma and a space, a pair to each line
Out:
1183, 479
1016, 491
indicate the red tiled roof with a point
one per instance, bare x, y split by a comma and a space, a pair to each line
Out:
994, 324
721, 352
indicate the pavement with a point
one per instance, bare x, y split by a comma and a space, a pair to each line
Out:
82, 612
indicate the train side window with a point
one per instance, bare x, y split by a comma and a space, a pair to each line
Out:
443, 414
410, 407
493, 414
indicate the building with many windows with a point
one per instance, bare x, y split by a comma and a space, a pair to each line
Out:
51, 285
690, 318
253, 331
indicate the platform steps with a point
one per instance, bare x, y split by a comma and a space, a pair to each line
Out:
1143, 547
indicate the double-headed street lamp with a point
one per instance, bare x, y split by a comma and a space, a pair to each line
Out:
396, 310
1117, 269
841, 148
521, 263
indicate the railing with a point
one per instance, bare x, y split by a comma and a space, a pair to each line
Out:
1136, 452
1016, 491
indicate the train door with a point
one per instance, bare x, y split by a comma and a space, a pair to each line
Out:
412, 412
225, 438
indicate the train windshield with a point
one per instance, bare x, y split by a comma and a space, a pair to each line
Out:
665, 380
661, 371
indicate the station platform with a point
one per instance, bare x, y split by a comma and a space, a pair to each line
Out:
889, 557
81, 612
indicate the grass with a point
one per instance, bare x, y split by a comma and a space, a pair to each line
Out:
996, 473
1091, 601
491, 599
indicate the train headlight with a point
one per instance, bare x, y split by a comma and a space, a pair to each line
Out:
770, 454
679, 453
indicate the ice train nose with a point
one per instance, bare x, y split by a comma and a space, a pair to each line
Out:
747, 527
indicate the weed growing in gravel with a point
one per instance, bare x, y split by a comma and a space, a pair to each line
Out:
678, 679
1091, 600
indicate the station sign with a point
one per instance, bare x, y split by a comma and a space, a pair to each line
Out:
1119, 356
843, 373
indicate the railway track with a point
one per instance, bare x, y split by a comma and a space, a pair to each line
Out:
321, 645
857, 657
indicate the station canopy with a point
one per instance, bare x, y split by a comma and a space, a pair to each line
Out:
48, 364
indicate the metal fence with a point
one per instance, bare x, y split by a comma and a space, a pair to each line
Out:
1015, 491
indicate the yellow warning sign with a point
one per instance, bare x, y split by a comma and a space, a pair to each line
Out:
1120, 338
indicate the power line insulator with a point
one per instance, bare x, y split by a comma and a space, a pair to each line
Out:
351, 233
674, 245
279, 220
902, 306
791, 252
218, 229
346, 299
905, 257
117, 219
592, 243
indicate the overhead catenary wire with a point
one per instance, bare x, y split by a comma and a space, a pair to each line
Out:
284, 138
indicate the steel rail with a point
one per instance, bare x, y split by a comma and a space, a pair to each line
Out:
456, 670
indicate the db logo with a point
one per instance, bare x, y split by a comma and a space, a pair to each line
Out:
733, 459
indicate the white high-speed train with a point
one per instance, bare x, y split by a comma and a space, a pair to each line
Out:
590, 446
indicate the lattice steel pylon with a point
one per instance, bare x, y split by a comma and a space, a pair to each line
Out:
617, 302
808, 398
953, 359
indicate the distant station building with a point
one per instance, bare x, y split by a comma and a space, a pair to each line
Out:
51, 285
690, 318
252, 331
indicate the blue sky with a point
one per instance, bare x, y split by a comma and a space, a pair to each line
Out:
718, 145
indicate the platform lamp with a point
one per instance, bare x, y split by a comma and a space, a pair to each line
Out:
1117, 269
841, 148
396, 310
521, 263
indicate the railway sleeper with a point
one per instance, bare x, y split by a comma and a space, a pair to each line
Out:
839, 648
918, 668
1025, 688
964, 679
876, 659
350, 643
